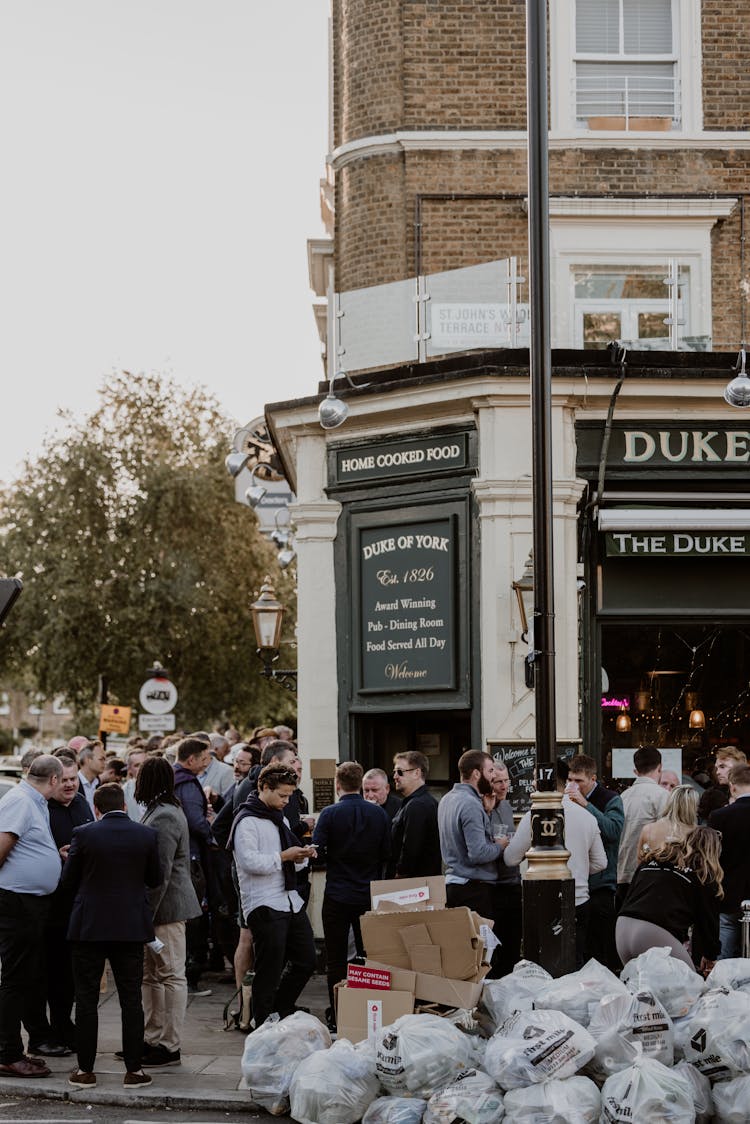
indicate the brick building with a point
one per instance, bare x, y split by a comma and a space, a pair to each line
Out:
649, 171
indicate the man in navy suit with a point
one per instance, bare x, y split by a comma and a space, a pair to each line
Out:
110, 864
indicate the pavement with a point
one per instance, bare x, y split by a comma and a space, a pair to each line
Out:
209, 1077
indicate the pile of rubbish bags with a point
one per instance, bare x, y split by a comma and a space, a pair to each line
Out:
658, 1045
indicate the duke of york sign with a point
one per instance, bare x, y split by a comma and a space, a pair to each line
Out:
692, 445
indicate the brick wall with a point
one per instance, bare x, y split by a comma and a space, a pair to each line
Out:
725, 33
418, 64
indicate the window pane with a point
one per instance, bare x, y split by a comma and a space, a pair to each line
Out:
651, 326
628, 283
599, 328
635, 89
648, 27
598, 26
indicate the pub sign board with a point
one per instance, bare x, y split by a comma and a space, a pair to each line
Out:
407, 583
403, 457
673, 544
708, 449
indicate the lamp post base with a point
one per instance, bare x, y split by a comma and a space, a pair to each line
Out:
549, 906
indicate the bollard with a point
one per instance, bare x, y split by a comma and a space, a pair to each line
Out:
745, 924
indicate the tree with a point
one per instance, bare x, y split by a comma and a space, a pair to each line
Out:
132, 548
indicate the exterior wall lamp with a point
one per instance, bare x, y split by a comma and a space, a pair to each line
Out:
737, 392
524, 591
268, 614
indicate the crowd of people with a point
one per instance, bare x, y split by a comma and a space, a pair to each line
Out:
194, 854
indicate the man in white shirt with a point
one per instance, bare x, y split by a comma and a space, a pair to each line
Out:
642, 803
268, 856
91, 762
587, 855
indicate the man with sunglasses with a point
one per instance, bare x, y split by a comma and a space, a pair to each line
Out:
415, 840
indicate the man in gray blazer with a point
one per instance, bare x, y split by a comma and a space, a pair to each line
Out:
174, 902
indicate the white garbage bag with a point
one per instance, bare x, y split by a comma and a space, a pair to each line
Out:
647, 1092
472, 1098
576, 1100
717, 1038
534, 1046
514, 992
733, 974
672, 982
626, 1026
395, 1110
732, 1101
272, 1054
334, 1086
420, 1054
702, 1096
578, 992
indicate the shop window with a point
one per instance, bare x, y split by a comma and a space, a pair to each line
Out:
681, 687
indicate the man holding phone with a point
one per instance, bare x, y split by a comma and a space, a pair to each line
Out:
268, 857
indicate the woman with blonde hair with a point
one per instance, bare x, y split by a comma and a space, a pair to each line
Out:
679, 817
677, 889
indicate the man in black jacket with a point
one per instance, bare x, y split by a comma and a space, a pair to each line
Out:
353, 840
109, 866
415, 839
733, 822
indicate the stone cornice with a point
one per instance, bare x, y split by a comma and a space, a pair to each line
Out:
451, 140
315, 522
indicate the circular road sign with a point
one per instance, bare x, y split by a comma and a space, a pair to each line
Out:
158, 696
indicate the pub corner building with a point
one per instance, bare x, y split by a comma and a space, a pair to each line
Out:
413, 534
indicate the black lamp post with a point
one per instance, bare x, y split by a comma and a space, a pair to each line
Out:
548, 889
268, 614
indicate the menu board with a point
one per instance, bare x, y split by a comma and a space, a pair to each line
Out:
519, 759
407, 606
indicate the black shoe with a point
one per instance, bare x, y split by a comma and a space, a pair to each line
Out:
156, 1057
330, 1020
50, 1050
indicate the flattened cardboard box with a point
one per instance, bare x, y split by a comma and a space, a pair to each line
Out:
362, 1011
435, 989
408, 893
439, 942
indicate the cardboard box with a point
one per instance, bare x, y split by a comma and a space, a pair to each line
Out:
435, 989
408, 893
439, 942
361, 1013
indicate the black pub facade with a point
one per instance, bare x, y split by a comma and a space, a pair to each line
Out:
413, 532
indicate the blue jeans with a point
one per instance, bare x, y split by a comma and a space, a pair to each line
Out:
730, 936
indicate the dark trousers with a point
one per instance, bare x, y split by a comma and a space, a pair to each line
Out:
22, 918
126, 961
601, 929
60, 986
284, 959
582, 929
338, 918
508, 927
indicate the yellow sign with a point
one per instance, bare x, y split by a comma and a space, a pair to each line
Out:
115, 720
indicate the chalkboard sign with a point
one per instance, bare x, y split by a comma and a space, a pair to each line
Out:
407, 606
519, 759
323, 793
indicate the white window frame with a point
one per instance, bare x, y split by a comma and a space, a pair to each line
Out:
686, 24
629, 232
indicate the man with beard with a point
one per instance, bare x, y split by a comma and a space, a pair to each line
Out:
469, 850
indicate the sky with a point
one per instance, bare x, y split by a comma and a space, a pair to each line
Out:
160, 168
